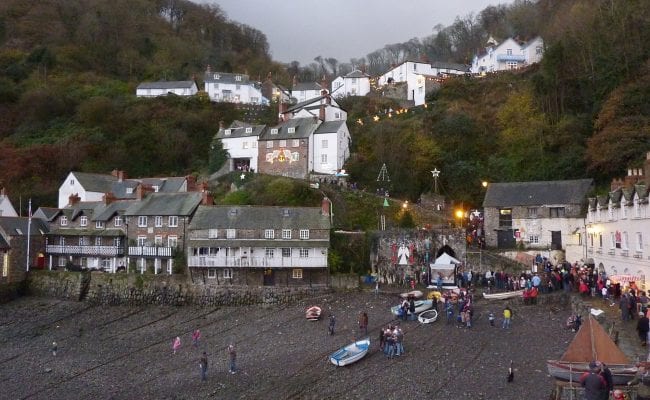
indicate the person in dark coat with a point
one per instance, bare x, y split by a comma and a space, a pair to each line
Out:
606, 373
642, 327
594, 384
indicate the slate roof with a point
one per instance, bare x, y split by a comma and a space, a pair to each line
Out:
3, 243
166, 85
447, 65
11, 225
95, 182
357, 74
302, 86
329, 127
537, 193
105, 183
46, 213
226, 77
304, 127
258, 217
106, 213
238, 129
164, 204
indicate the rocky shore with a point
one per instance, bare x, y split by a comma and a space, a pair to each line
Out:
125, 352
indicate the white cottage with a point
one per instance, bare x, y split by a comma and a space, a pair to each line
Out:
233, 88
164, 88
508, 55
356, 83
240, 140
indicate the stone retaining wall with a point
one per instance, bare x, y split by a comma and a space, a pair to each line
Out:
10, 291
136, 289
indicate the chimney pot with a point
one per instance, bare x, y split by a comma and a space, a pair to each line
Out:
326, 205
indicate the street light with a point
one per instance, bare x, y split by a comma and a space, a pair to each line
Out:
484, 184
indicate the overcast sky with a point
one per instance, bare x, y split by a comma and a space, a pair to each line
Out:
303, 29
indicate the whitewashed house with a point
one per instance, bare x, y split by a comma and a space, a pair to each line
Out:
233, 88
6, 208
240, 140
508, 55
330, 147
418, 77
323, 107
305, 91
163, 88
356, 83
617, 230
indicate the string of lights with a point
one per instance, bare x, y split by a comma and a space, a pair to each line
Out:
390, 113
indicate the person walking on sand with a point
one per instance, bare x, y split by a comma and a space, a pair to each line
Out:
196, 335
176, 344
232, 357
507, 316
203, 365
330, 329
55, 347
363, 323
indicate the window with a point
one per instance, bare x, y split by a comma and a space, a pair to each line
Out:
283, 143
71, 182
213, 233
624, 209
253, 145
538, 50
533, 239
618, 238
117, 242
268, 252
237, 87
61, 241
117, 221
611, 240
173, 221
511, 65
158, 221
249, 130
172, 241
304, 234
244, 145
62, 261
99, 225
624, 241
238, 78
286, 234
509, 52
323, 158
269, 144
142, 221
142, 241
600, 240
225, 145
557, 212
532, 212
212, 273
227, 132
227, 273
295, 156
639, 241
98, 241
304, 253
274, 131
83, 220
323, 144
269, 234
337, 115
254, 99
64, 220
230, 233
295, 143
291, 129
216, 77
505, 218
286, 252
296, 273
83, 241
157, 240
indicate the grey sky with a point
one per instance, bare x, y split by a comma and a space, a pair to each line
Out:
303, 29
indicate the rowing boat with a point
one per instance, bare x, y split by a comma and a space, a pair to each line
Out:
350, 353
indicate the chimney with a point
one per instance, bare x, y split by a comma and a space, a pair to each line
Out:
323, 86
321, 112
114, 172
142, 190
208, 69
295, 82
326, 206
632, 178
108, 198
222, 125
121, 176
74, 199
191, 183
206, 197
3, 193
282, 108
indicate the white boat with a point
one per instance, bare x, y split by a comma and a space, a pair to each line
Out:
427, 317
503, 295
350, 353
420, 305
413, 293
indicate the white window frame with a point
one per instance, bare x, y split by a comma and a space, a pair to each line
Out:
118, 220
269, 234
295, 143
639, 242
323, 158
158, 221
286, 234
231, 234
99, 224
304, 234
212, 273
244, 145
269, 252
295, 156
98, 240
142, 240
249, 130
83, 220
172, 241
213, 233
291, 129
296, 273
64, 220
286, 252
283, 143
142, 221
172, 221
227, 273
304, 252
324, 143
274, 131
158, 240
269, 144
533, 239
227, 132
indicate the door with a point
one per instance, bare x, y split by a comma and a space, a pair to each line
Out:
556, 240
505, 239
269, 277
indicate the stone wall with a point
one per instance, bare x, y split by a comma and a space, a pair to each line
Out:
137, 289
10, 291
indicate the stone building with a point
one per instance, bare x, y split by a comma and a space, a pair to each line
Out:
13, 247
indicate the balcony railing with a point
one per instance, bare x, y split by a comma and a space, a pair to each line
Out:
511, 57
108, 251
259, 262
611, 252
150, 251
625, 253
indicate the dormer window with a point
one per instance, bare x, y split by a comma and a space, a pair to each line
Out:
129, 190
269, 234
64, 221
216, 76
274, 131
227, 132
291, 130
99, 224
83, 221
156, 188
249, 130
238, 78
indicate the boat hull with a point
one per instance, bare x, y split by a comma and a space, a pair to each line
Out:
313, 313
427, 317
350, 353
420, 306
621, 374
503, 295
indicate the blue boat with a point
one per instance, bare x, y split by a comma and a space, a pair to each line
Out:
350, 353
